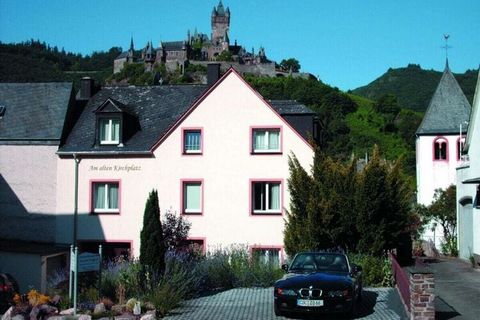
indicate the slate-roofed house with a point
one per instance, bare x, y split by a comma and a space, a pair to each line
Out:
468, 187
217, 155
439, 143
35, 120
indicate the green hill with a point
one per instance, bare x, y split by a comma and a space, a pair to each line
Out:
35, 61
414, 86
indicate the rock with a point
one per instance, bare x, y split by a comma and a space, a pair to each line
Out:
18, 317
34, 313
47, 309
126, 316
137, 309
148, 316
99, 308
8, 314
57, 318
118, 308
67, 312
84, 317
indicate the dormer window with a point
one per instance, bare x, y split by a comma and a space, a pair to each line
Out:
109, 131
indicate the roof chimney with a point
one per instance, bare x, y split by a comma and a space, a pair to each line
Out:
86, 88
213, 73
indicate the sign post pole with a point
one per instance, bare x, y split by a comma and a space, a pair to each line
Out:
75, 284
70, 279
100, 271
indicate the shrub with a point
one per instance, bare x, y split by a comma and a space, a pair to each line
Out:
449, 246
377, 271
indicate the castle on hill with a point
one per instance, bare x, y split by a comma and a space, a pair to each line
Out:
198, 48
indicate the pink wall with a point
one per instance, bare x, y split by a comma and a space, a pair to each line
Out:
226, 167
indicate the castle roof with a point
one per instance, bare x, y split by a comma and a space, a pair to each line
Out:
35, 113
448, 108
173, 45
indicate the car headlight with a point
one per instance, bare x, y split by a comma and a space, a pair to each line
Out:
286, 292
338, 293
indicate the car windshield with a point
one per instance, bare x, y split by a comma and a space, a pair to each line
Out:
320, 262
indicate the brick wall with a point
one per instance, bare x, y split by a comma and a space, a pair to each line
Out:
422, 294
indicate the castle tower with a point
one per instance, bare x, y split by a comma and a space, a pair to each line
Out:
220, 23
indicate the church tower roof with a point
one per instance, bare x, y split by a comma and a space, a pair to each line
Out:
221, 9
447, 109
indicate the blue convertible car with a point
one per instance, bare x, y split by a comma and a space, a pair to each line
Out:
318, 282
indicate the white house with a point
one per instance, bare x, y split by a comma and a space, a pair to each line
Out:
217, 155
468, 188
34, 120
440, 138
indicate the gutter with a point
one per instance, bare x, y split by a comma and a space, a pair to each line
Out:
104, 153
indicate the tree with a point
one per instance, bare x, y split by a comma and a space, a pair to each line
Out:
290, 64
340, 205
225, 55
175, 230
443, 210
152, 246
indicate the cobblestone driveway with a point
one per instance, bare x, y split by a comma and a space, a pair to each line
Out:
257, 303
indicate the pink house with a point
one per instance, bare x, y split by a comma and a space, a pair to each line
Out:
217, 155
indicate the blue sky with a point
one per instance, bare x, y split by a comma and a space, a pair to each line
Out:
345, 43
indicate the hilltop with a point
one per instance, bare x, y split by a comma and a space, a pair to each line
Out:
414, 86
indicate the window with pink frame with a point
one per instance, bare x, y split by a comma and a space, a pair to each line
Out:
440, 149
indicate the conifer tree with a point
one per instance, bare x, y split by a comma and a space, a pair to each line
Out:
152, 247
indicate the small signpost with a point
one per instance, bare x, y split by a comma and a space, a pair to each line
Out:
82, 263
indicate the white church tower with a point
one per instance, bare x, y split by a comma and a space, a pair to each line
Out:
439, 142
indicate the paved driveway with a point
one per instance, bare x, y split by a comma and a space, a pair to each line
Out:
257, 303
457, 289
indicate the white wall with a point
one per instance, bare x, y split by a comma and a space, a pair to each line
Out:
226, 168
28, 191
434, 174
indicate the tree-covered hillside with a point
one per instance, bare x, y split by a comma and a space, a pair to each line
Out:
35, 61
351, 125
414, 86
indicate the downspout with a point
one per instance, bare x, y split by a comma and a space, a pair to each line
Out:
75, 208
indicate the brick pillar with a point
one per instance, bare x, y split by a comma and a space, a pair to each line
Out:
422, 294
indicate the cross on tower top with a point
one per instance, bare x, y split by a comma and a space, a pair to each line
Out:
446, 47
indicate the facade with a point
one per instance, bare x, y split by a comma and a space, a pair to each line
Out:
35, 119
439, 142
468, 188
199, 47
218, 156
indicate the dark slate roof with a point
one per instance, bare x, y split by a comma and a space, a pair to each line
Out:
448, 108
122, 55
172, 45
35, 112
157, 108
289, 107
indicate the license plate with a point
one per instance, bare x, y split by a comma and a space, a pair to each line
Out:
309, 303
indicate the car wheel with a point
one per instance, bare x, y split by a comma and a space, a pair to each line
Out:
277, 311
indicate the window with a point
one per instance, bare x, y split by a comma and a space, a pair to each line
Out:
109, 130
192, 197
266, 140
266, 197
440, 149
266, 255
192, 141
460, 144
106, 197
